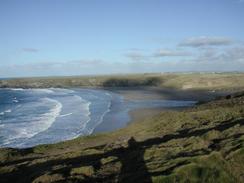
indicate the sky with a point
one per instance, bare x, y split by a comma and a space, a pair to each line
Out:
88, 37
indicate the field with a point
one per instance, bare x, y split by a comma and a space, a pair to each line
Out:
204, 81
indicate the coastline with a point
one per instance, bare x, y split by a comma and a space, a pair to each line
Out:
171, 145
140, 113
157, 93
168, 137
151, 93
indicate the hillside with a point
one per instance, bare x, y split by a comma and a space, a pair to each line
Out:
201, 144
203, 81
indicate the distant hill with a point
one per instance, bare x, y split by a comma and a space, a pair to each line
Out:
204, 81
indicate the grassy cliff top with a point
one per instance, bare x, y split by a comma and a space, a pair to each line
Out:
213, 81
201, 144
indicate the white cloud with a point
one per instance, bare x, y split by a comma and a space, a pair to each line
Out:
204, 41
221, 58
170, 53
205, 59
73, 67
136, 56
235, 54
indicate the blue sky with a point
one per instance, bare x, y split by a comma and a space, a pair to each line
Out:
81, 37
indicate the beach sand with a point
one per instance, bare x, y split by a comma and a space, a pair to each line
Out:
139, 115
153, 93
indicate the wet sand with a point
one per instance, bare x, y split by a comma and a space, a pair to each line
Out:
155, 93
152, 93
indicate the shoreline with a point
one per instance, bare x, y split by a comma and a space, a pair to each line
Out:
201, 135
157, 93
140, 114
151, 93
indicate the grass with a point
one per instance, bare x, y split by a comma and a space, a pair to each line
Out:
211, 168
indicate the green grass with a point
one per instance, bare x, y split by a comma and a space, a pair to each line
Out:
206, 169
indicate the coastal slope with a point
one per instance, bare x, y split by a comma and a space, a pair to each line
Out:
200, 144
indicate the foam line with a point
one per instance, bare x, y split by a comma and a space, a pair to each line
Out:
34, 125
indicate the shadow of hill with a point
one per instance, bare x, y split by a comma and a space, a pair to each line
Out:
125, 82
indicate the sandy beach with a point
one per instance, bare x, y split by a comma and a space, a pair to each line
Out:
155, 93
139, 115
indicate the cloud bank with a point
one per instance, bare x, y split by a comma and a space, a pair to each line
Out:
170, 53
136, 56
204, 41
214, 55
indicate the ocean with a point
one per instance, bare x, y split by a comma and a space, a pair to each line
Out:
29, 117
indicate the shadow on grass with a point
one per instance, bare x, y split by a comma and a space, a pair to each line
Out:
133, 167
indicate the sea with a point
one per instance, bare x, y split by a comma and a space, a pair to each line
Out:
30, 117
